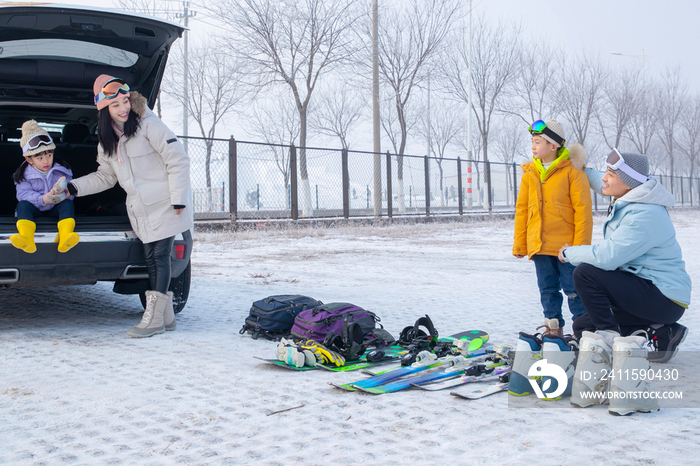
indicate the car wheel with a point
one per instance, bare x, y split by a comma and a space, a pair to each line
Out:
180, 286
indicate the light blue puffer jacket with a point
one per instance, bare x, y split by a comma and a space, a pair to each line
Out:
640, 239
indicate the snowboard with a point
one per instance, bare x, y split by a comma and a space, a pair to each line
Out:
358, 365
476, 394
476, 339
423, 378
462, 380
403, 383
479, 337
393, 353
389, 376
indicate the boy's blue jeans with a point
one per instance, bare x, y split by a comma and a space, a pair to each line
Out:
553, 276
62, 210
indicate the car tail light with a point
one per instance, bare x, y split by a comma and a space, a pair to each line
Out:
179, 251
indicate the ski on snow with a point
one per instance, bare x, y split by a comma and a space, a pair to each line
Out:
476, 394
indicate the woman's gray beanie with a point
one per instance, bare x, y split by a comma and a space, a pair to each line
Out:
638, 163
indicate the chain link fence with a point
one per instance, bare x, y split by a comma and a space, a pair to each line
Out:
253, 181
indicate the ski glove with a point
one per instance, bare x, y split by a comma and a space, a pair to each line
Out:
323, 355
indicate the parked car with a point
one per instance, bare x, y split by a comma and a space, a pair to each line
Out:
50, 56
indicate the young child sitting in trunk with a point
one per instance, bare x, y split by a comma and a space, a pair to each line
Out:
41, 190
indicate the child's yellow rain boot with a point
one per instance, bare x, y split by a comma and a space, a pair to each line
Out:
24, 240
66, 238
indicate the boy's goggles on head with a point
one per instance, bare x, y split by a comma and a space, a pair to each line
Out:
36, 141
616, 161
112, 89
540, 127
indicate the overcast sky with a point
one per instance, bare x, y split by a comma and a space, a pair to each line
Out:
666, 33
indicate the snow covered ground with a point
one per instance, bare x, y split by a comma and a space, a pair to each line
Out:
75, 389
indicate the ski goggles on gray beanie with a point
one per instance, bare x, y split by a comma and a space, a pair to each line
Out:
633, 169
551, 130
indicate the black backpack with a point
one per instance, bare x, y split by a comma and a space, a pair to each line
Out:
273, 317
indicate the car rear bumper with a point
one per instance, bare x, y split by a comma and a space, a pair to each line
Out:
97, 257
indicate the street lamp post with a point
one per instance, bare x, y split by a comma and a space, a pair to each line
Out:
642, 56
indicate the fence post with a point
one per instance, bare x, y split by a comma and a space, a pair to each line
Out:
389, 196
682, 196
233, 178
515, 184
487, 175
346, 183
427, 186
690, 190
595, 200
293, 184
459, 186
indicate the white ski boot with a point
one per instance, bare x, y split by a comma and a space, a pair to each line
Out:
629, 392
562, 352
528, 351
593, 368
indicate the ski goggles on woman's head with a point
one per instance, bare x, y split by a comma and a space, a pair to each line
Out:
540, 127
112, 89
36, 141
616, 161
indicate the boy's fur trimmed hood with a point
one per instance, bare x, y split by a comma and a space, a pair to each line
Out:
139, 104
577, 156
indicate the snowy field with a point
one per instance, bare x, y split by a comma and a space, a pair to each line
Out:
74, 389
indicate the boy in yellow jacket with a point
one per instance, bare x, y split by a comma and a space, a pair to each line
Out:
553, 209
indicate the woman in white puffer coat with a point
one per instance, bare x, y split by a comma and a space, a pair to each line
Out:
138, 150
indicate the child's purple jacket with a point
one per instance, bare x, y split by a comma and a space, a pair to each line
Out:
34, 185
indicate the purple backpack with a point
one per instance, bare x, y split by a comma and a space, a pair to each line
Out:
316, 323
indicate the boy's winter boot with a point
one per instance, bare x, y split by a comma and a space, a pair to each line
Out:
24, 240
169, 313
630, 394
527, 352
66, 237
152, 321
665, 340
593, 368
551, 327
560, 351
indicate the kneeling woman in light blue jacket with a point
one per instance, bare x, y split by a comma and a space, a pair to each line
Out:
636, 278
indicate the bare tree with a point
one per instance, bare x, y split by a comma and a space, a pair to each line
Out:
390, 121
622, 94
155, 8
213, 92
494, 65
688, 142
441, 132
671, 99
473, 152
278, 125
337, 112
644, 122
511, 145
409, 38
291, 43
533, 93
581, 93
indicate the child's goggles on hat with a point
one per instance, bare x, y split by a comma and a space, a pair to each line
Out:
615, 161
36, 141
540, 127
112, 89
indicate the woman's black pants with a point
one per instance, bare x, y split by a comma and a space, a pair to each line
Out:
157, 256
620, 301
